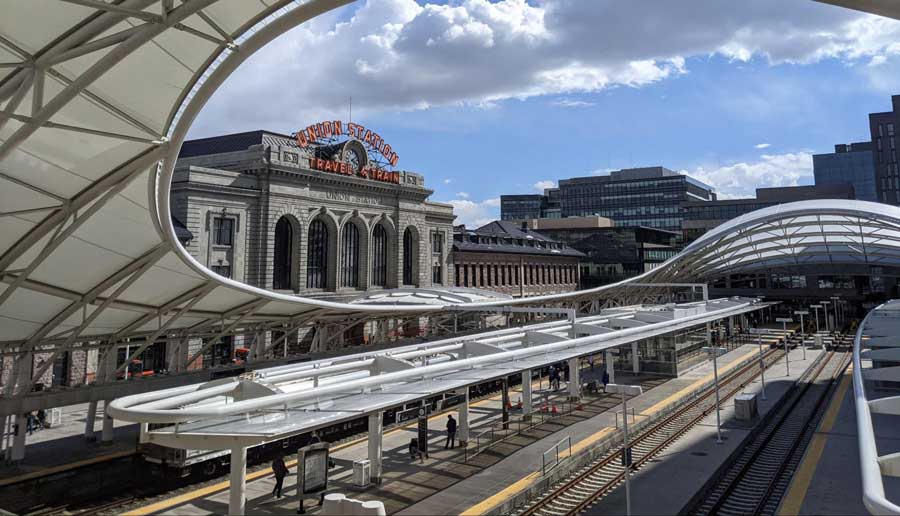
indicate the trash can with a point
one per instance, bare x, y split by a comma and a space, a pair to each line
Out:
745, 408
361, 473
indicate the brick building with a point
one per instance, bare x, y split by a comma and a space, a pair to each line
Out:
503, 257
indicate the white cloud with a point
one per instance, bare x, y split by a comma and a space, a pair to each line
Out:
763, 145
447, 181
742, 179
398, 54
571, 103
540, 186
475, 214
462, 195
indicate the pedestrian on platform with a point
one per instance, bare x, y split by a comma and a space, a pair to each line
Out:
605, 379
451, 433
554, 378
281, 471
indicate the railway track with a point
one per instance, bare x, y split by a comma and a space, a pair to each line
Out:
594, 481
757, 480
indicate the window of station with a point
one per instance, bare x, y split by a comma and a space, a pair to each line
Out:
409, 250
379, 258
222, 270
788, 281
223, 231
350, 256
835, 282
317, 255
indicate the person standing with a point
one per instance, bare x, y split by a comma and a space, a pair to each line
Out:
451, 432
605, 379
281, 471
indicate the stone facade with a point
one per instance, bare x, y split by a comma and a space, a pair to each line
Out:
256, 187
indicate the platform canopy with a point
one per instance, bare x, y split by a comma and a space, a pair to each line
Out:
275, 403
97, 98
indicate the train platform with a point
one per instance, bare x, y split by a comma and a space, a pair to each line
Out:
687, 465
446, 483
63, 446
828, 481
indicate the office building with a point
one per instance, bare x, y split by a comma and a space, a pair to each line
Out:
612, 252
882, 127
531, 206
852, 163
701, 217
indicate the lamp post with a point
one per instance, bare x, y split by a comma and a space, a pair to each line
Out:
625, 391
825, 313
762, 364
816, 307
716, 352
787, 351
801, 313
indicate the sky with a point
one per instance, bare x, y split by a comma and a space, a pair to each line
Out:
492, 97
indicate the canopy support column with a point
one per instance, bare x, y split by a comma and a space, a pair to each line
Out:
376, 433
526, 392
462, 429
89, 421
107, 436
18, 448
635, 363
610, 368
574, 378
238, 477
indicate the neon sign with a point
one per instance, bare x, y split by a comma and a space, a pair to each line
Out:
338, 167
334, 128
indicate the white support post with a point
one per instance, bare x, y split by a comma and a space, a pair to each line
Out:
107, 435
89, 421
462, 428
236, 497
635, 363
376, 434
18, 449
610, 368
526, 392
574, 378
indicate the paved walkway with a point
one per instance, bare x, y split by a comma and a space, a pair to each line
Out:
446, 483
63, 446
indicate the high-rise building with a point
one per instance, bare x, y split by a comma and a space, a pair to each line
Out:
530, 206
882, 128
651, 196
852, 163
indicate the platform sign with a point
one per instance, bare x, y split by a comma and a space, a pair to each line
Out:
407, 415
452, 401
423, 429
312, 473
801, 312
784, 320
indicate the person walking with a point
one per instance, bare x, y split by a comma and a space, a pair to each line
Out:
281, 471
605, 379
451, 433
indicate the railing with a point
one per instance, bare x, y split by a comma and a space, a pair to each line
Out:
550, 458
873, 486
498, 432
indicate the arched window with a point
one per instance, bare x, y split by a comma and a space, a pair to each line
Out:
350, 256
284, 254
409, 251
317, 255
379, 259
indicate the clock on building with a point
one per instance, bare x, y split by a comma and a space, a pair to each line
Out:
354, 154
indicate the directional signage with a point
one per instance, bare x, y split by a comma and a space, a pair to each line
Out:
784, 319
450, 401
815, 306
801, 312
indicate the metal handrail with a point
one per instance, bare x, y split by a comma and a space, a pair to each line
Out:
556, 460
873, 486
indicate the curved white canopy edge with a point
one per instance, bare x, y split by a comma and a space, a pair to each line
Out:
96, 95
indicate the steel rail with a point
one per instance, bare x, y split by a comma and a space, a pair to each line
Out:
772, 356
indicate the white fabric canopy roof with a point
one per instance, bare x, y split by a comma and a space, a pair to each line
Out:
97, 99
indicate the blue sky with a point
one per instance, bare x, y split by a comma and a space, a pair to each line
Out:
486, 98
